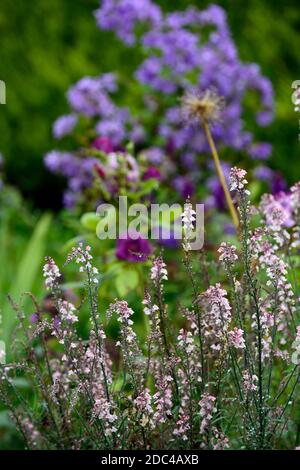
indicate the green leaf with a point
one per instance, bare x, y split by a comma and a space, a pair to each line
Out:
26, 272
126, 280
146, 188
90, 221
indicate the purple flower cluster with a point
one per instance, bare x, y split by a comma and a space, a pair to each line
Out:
133, 250
175, 52
112, 126
64, 125
79, 173
183, 51
91, 97
123, 17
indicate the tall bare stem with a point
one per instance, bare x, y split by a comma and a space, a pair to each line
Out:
220, 173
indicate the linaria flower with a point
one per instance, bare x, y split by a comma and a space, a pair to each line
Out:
296, 348
207, 409
162, 398
83, 257
277, 211
237, 179
67, 311
236, 338
217, 318
249, 382
158, 271
143, 404
295, 197
188, 219
227, 253
51, 273
149, 308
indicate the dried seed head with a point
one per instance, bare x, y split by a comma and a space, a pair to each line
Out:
204, 107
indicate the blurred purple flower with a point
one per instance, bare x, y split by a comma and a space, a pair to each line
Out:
278, 184
90, 96
184, 186
64, 125
34, 318
133, 250
79, 172
104, 144
154, 155
261, 151
113, 129
229, 228
264, 173
122, 16
151, 172
166, 237
174, 51
216, 198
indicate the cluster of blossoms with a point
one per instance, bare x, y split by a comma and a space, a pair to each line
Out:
236, 338
249, 383
296, 346
237, 179
143, 405
128, 335
176, 46
264, 252
90, 99
82, 256
188, 219
207, 408
229, 363
176, 51
159, 271
162, 399
218, 316
51, 273
228, 253
122, 17
67, 311
149, 308
189, 372
32, 434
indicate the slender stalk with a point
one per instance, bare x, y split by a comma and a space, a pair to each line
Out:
254, 295
94, 309
220, 173
188, 267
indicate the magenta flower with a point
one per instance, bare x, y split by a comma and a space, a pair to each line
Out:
133, 250
104, 144
151, 172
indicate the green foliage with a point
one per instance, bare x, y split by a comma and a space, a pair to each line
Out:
126, 280
25, 273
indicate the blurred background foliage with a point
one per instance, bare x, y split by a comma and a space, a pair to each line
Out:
48, 45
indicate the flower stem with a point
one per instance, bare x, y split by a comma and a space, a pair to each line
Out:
220, 173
